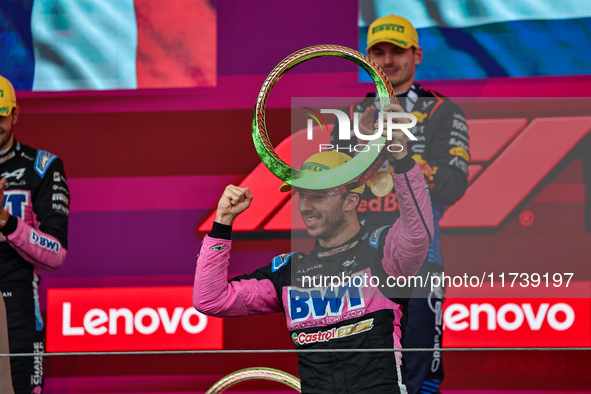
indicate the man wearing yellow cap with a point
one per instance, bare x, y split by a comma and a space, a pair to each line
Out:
363, 311
33, 236
442, 152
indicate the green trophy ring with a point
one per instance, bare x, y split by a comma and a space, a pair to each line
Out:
350, 175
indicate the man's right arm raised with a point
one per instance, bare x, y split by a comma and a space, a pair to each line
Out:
213, 294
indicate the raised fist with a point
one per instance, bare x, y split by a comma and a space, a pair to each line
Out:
233, 202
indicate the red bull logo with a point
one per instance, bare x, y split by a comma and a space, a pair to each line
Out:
428, 171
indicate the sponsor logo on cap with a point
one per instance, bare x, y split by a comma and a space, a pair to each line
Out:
388, 26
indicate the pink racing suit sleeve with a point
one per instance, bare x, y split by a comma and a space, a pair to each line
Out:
214, 295
407, 242
38, 248
37, 228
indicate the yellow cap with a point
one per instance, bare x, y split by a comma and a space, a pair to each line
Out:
7, 97
324, 161
393, 29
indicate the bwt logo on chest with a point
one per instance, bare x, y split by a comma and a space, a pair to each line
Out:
320, 303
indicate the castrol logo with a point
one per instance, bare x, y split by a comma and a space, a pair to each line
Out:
333, 333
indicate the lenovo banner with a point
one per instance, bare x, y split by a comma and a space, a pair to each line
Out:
124, 319
518, 321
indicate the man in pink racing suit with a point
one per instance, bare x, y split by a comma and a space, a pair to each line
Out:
363, 312
33, 236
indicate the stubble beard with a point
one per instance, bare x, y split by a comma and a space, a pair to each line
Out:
335, 222
5, 138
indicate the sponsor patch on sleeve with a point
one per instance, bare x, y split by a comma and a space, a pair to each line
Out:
44, 242
420, 116
374, 239
218, 248
280, 261
461, 152
43, 161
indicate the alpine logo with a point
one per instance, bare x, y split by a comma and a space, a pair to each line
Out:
218, 248
18, 174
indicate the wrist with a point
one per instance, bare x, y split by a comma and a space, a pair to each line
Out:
405, 164
224, 219
221, 231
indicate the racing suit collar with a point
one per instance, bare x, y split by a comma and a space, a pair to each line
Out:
410, 97
402, 94
352, 242
10, 153
416, 87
